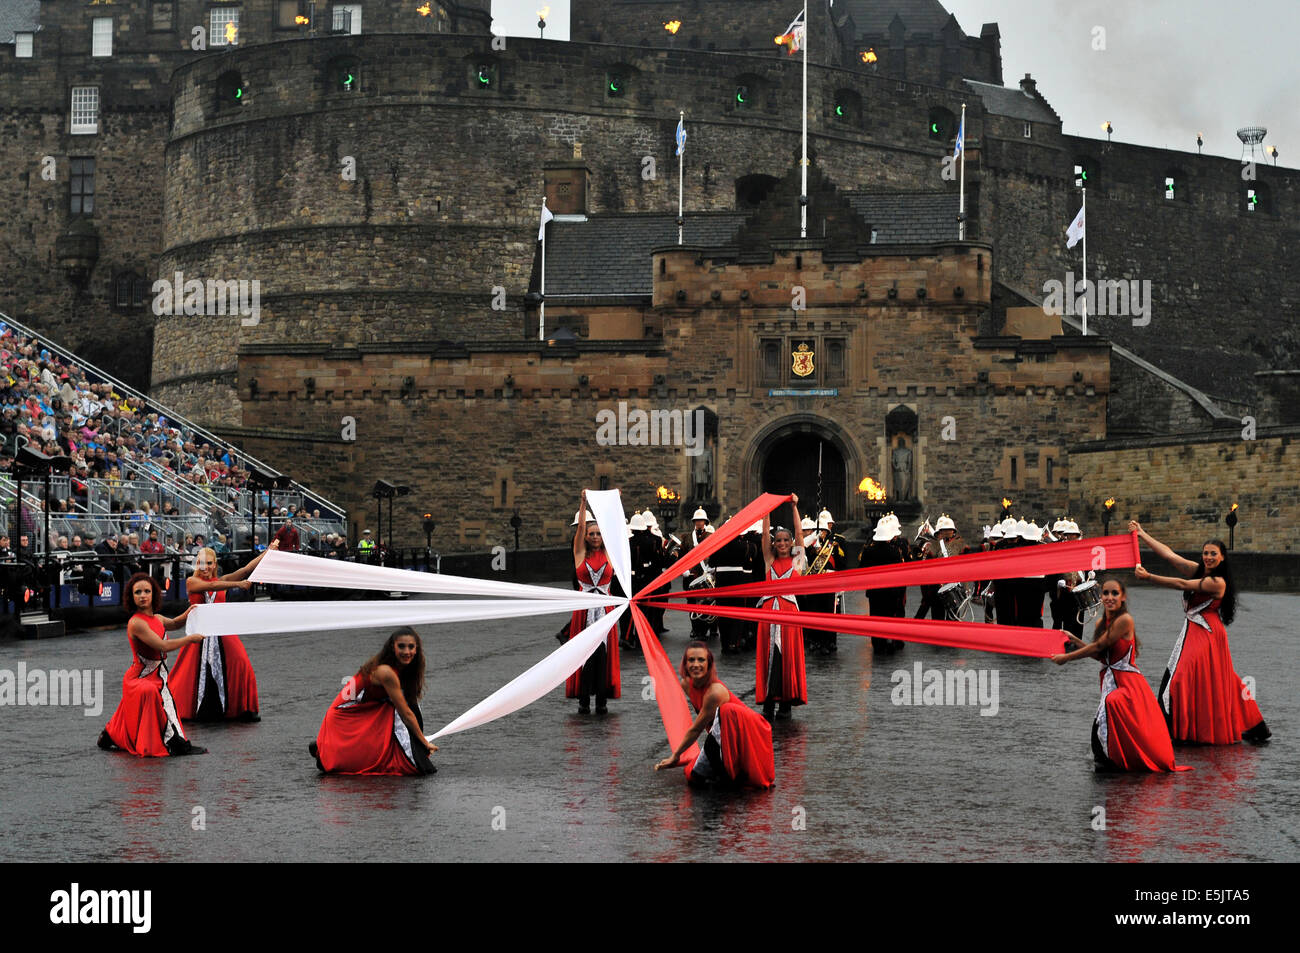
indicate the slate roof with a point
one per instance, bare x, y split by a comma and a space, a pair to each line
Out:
1011, 102
18, 16
610, 254
918, 16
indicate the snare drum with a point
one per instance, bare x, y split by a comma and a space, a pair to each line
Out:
954, 598
1087, 600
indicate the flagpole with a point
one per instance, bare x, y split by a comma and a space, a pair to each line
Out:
803, 188
681, 158
961, 210
541, 309
1085, 261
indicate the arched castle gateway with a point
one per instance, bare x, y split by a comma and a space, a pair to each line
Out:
383, 187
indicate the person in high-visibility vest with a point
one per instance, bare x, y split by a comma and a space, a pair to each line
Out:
366, 547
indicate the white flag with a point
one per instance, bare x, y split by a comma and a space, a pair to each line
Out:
1075, 231
546, 217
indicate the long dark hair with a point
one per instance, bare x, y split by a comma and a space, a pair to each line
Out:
128, 600
1102, 625
411, 677
712, 673
1228, 607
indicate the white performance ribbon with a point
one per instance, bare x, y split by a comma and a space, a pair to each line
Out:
547, 674
295, 569
607, 507
252, 618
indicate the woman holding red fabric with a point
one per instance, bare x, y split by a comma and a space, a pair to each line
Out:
780, 676
145, 723
374, 726
214, 681
1203, 698
600, 676
1128, 731
737, 747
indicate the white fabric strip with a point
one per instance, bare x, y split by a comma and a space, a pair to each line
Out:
607, 507
1193, 614
246, 618
1108, 685
540, 679
295, 569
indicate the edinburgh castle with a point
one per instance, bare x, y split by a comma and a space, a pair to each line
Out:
378, 169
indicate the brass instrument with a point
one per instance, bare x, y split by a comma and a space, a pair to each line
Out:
706, 580
818, 565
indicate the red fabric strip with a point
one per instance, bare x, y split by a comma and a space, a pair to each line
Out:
1103, 552
979, 636
725, 534
673, 709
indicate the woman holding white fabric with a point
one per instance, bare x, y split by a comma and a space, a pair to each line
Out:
214, 680
595, 573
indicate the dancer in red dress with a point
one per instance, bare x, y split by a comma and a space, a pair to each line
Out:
1128, 731
145, 723
214, 680
737, 746
1203, 698
780, 677
600, 676
374, 725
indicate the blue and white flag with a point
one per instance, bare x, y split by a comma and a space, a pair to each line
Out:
961, 138
681, 136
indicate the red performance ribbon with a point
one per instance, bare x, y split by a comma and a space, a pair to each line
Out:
1102, 553
977, 636
729, 530
673, 709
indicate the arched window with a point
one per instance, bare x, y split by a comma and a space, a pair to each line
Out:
749, 93
943, 124
753, 189
231, 93
484, 75
846, 107
1257, 200
343, 75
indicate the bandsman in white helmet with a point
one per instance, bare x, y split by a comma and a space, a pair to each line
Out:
946, 542
821, 640
886, 548
699, 533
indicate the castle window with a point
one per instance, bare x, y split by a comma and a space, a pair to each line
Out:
835, 361
23, 46
748, 92
230, 90
1029, 130
847, 107
1175, 186
1015, 471
347, 18
287, 13
129, 291
1051, 467
223, 26
85, 110
943, 124
1257, 199
344, 75
615, 85
81, 188
161, 16
101, 36
753, 189
483, 76
770, 352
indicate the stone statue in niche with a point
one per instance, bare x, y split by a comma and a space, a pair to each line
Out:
702, 472
901, 464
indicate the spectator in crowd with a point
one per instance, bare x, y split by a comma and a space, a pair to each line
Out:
288, 536
152, 546
6, 551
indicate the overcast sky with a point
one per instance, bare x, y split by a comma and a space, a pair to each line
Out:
1170, 69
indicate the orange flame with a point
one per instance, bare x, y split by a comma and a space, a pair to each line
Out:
672, 26
424, 10
1234, 507
663, 493
543, 13
1006, 504
231, 32
301, 21
874, 491
869, 55
1110, 502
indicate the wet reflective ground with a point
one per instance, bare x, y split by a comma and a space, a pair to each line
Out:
858, 778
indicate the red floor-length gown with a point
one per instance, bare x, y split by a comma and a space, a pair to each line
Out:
1203, 698
213, 680
145, 723
596, 575
794, 683
363, 734
1129, 731
744, 739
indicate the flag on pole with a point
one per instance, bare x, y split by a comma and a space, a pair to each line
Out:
793, 36
681, 135
546, 217
1075, 231
961, 137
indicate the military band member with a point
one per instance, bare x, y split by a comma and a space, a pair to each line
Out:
821, 640
887, 547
